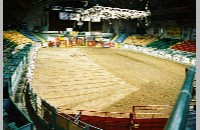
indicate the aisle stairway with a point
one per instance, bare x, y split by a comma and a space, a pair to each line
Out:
30, 35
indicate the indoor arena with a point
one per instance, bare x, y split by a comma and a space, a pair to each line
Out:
99, 65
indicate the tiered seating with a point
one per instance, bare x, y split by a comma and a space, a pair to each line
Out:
16, 37
14, 118
8, 44
188, 46
140, 40
163, 43
8, 48
14, 66
30, 35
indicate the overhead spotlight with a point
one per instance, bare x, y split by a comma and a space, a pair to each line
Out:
107, 9
75, 16
79, 23
91, 10
85, 18
85, 12
68, 9
124, 13
98, 8
146, 7
96, 13
79, 10
95, 18
56, 8
115, 13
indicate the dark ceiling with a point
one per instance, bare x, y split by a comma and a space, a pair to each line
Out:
160, 9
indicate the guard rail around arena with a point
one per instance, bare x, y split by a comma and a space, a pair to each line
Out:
178, 118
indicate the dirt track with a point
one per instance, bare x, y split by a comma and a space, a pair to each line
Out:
105, 79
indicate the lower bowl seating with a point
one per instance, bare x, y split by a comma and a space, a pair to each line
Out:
140, 40
16, 37
163, 43
188, 46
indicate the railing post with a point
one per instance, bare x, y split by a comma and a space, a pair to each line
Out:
87, 127
53, 110
35, 103
131, 121
42, 108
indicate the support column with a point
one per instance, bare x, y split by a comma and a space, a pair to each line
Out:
89, 26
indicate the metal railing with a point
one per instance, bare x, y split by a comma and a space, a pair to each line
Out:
178, 118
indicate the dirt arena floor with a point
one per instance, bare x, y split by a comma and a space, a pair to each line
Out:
105, 79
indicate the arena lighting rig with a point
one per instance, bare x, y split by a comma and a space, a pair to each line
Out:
98, 13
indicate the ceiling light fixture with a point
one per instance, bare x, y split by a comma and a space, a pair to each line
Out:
96, 13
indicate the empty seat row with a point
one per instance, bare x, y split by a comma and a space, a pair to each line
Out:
30, 35
163, 43
8, 48
8, 44
140, 40
188, 46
